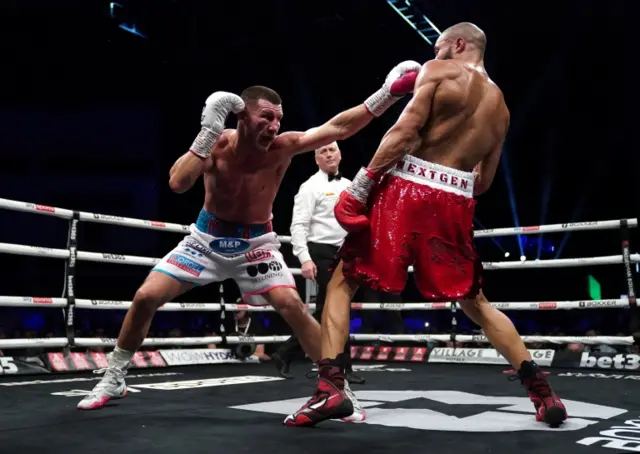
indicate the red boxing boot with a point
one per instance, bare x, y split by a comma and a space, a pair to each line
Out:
328, 402
549, 407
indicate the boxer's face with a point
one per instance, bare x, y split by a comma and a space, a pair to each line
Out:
262, 122
449, 48
443, 49
328, 158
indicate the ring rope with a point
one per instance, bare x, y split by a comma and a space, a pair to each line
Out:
46, 302
387, 338
64, 213
71, 254
104, 257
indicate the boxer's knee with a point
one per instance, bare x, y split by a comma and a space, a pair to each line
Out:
147, 299
157, 290
287, 302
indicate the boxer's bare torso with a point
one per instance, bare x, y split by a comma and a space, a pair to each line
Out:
468, 119
241, 183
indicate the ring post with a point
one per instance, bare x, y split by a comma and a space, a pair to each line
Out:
223, 331
70, 279
634, 320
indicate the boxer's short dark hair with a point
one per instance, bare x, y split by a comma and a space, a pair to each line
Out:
257, 92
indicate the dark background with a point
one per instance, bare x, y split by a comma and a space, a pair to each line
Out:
93, 117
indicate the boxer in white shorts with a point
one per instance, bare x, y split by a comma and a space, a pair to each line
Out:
217, 250
242, 170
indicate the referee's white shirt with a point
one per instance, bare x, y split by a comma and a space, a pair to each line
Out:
313, 219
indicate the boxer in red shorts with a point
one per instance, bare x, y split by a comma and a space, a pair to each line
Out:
414, 205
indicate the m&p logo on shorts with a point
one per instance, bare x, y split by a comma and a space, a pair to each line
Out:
186, 264
229, 245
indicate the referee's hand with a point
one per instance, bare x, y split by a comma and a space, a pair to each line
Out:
309, 270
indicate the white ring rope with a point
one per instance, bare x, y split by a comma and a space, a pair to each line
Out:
387, 338
45, 302
171, 227
28, 301
104, 257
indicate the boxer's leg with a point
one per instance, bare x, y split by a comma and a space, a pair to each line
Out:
181, 269
337, 314
504, 337
333, 398
376, 258
498, 328
306, 328
287, 302
445, 267
376, 266
157, 289
266, 279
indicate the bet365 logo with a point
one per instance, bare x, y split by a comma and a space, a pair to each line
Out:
606, 361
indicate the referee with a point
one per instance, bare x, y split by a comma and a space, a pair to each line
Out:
316, 237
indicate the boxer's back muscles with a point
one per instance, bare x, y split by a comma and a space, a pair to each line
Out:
467, 122
242, 187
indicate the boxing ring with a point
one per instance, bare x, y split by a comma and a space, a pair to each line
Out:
395, 395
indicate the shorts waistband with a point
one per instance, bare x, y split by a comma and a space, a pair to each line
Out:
435, 175
208, 223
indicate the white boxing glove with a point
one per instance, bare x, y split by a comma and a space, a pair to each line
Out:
399, 82
214, 114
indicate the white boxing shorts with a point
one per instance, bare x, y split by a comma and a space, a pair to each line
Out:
217, 250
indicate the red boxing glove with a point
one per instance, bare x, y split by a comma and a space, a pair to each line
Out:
404, 84
399, 82
350, 211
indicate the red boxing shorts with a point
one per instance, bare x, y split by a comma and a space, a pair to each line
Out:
420, 214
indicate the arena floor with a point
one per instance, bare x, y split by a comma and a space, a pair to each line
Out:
412, 408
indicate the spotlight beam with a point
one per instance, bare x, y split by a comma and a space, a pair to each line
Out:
577, 213
506, 171
546, 194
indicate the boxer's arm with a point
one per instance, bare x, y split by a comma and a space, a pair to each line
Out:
186, 170
340, 127
404, 136
486, 169
399, 82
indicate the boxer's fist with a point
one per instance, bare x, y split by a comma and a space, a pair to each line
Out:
399, 82
350, 211
217, 107
214, 114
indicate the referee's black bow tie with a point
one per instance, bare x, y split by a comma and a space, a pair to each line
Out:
337, 176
